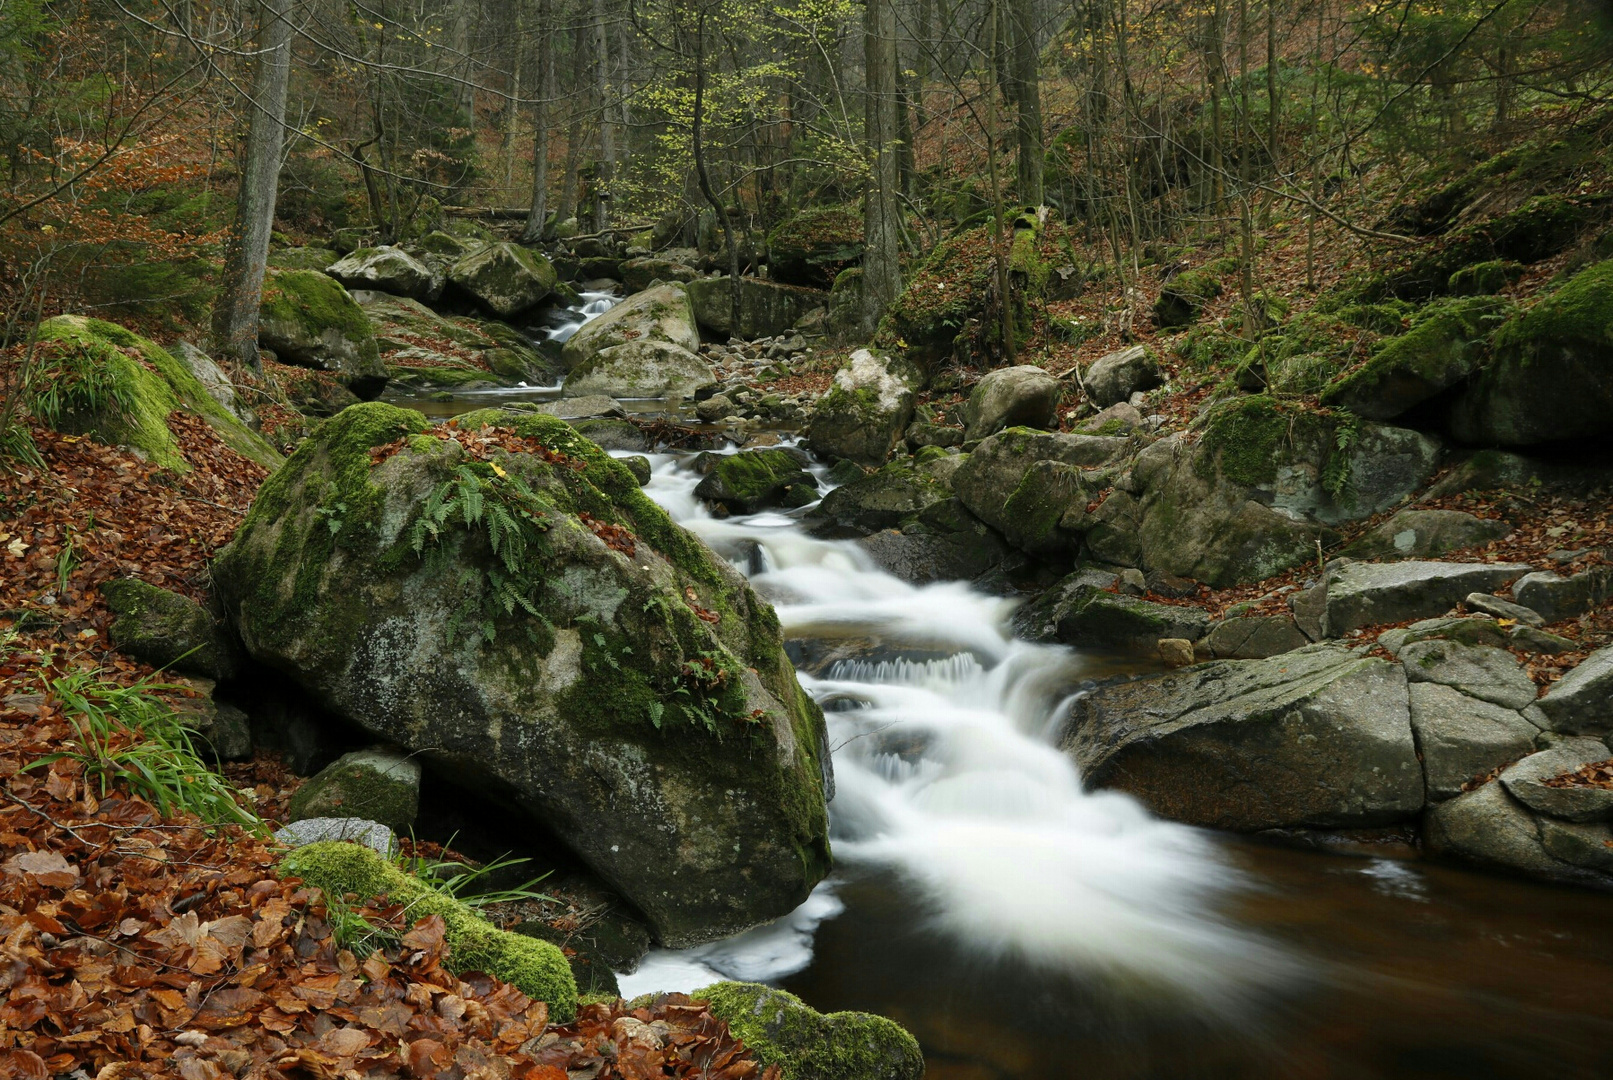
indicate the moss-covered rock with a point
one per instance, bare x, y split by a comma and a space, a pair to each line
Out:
640, 369
638, 274
781, 1029
376, 785
1183, 297
815, 245
303, 258
388, 269
659, 314
1444, 345
536, 968
996, 483
865, 411
1078, 613
1550, 374
880, 500
119, 388
506, 279
167, 630
573, 653
766, 308
753, 480
1485, 278
308, 319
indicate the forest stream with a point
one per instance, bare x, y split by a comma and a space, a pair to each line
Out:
1021, 927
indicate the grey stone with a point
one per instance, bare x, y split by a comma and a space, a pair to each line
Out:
990, 477
505, 278
1489, 826
1502, 609
231, 737
1581, 702
639, 274
1462, 738
1119, 375
1525, 782
659, 314
1254, 637
1121, 418
1318, 737
1175, 652
1588, 845
1466, 629
640, 369
864, 413
1024, 396
1309, 607
583, 408
1532, 639
388, 269
612, 433
877, 501
219, 386
1367, 594
1480, 671
377, 784
1557, 597
944, 542
766, 308
1421, 534
167, 630
1132, 582
372, 834
1075, 613
715, 408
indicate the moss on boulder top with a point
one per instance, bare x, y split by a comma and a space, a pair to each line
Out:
120, 388
536, 968
1550, 374
167, 630
816, 244
1444, 345
1184, 296
308, 319
505, 278
781, 1029
659, 314
503, 599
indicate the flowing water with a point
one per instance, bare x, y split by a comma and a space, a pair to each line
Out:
1021, 927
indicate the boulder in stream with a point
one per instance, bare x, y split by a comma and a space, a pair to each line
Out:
659, 314
864, 413
501, 600
640, 369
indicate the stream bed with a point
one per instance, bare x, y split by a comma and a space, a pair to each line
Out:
1021, 927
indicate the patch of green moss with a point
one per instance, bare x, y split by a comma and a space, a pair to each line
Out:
1444, 336
1247, 436
782, 1030
536, 968
316, 301
1387, 318
952, 292
1485, 278
1184, 296
1540, 228
814, 246
1580, 312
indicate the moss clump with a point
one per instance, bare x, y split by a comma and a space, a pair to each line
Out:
1302, 355
1540, 228
814, 246
103, 381
536, 968
1580, 313
1444, 344
781, 1029
1184, 296
953, 295
165, 629
1485, 278
1247, 437
375, 784
1387, 318
754, 479
315, 301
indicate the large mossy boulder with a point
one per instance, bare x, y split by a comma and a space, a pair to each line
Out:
753, 480
1550, 376
1318, 737
639, 274
812, 247
506, 279
659, 314
782, 1030
308, 319
884, 499
1183, 297
536, 968
120, 388
501, 599
389, 269
1443, 346
865, 412
1021, 396
640, 369
1028, 484
766, 308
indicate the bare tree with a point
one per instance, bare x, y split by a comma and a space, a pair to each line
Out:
882, 224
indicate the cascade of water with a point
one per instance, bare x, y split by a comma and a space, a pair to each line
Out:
568, 321
946, 775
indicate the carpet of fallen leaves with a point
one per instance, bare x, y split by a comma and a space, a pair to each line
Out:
133, 946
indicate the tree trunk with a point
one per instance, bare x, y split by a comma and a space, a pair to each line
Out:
235, 320
696, 130
882, 271
607, 129
1027, 100
540, 121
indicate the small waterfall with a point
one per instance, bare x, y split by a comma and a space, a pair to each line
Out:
567, 321
946, 776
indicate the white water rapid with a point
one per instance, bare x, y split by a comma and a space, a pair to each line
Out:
589, 306
942, 728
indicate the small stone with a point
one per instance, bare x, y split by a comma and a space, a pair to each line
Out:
1502, 609
375, 784
372, 834
1132, 582
1531, 639
1581, 702
1176, 652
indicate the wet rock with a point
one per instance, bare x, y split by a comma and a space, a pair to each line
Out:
659, 314
990, 478
1557, 597
715, 408
1075, 613
375, 784
639, 466
1421, 534
1480, 671
864, 413
388, 269
1581, 702
1524, 781
504, 278
1462, 738
637, 274
1117, 376
610, 433
1489, 826
1175, 652
1254, 637
753, 480
1366, 594
1024, 396
943, 542
583, 408
569, 714
166, 630
1589, 846
640, 369
1318, 737
880, 500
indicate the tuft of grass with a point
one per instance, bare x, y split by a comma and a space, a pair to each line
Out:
129, 738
